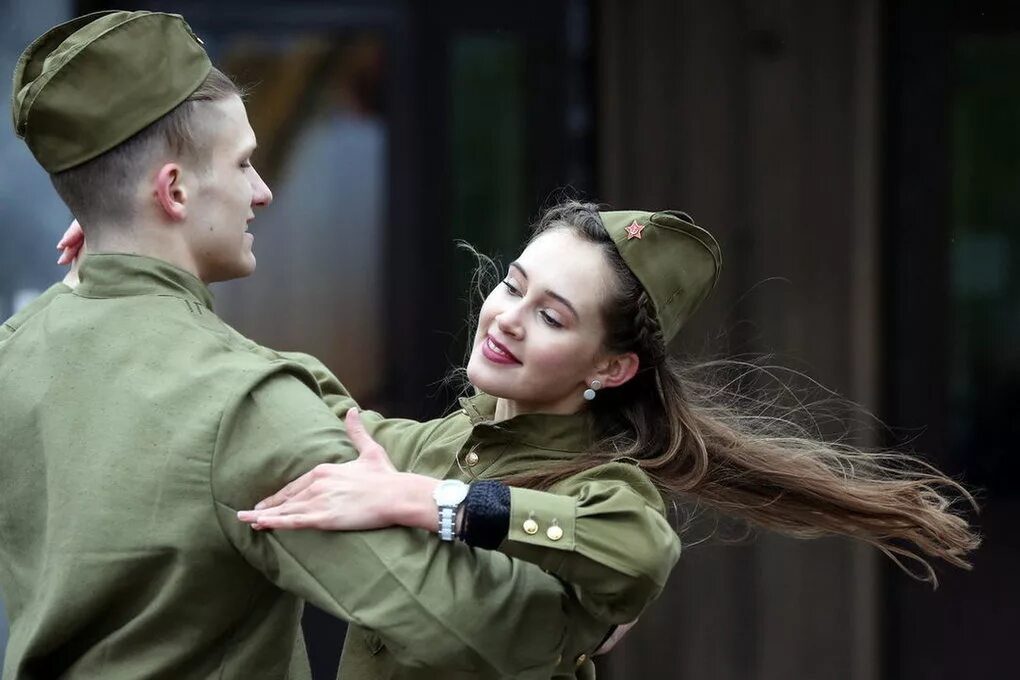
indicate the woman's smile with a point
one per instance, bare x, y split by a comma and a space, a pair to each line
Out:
497, 353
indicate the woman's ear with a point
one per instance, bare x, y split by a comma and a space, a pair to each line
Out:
169, 192
617, 369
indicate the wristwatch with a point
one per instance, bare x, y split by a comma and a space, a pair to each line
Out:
449, 494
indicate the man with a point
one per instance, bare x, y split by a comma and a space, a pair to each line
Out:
136, 423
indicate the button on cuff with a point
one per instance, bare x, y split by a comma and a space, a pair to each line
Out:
542, 518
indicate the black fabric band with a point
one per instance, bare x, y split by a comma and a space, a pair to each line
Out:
486, 520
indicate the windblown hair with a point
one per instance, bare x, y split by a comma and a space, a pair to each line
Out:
100, 191
701, 435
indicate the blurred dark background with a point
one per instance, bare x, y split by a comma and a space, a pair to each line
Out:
858, 160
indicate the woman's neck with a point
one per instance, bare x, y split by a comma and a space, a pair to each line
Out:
505, 410
509, 408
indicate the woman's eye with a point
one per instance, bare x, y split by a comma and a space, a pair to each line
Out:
246, 164
513, 290
550, 320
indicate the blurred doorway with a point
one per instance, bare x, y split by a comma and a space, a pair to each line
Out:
953, 266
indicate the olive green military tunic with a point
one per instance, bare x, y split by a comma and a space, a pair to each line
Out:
602, 531
135, 424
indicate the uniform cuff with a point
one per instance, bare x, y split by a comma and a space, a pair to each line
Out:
542, 518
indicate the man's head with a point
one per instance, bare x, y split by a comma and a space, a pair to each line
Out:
149, 148
185, 181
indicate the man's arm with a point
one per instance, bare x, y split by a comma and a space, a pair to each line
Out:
614, 547
402, 438
435, 604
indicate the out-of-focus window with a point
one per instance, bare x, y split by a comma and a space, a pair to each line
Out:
321, 123
32, 216
488, 147
985, 260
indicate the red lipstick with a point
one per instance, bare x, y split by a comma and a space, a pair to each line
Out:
497, 353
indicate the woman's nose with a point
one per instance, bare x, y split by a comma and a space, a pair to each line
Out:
508, 321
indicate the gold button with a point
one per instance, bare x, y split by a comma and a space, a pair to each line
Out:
530, 527
471, 459
554, 532
580, 660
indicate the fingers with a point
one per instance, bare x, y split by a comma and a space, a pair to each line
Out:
356, 431
259, 516
289, 491
294, 514
72, 236
369, 450
71, 243
310, 520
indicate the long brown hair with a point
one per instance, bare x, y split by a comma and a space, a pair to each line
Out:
700, 435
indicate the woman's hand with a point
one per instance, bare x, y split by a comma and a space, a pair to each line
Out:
71, 244
612, 640
367, 493
72, 251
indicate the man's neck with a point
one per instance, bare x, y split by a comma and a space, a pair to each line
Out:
146, 242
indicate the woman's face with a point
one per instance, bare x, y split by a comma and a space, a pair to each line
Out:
540, 332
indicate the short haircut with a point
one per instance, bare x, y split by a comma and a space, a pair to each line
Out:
101, 190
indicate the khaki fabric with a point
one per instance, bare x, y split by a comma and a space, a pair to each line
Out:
612, 544
677, 262
89, 84
136, 423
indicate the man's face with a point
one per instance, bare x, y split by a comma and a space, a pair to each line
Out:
225, 196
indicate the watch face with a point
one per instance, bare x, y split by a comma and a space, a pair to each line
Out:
450, 492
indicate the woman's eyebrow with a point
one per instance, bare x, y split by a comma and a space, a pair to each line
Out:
556, 296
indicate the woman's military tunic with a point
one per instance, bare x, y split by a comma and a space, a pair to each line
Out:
603, 531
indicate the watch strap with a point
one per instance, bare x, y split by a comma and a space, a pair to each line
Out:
447, 520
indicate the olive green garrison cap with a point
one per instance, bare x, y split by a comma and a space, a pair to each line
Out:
676, 261
89, 84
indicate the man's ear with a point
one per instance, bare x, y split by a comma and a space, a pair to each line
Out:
170, 193
617, 369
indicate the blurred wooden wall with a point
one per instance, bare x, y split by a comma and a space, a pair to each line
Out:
759, 117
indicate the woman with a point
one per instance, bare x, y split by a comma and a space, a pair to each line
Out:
582, 425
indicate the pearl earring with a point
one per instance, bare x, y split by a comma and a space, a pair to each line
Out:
589, 393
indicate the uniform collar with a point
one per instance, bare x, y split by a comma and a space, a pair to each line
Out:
568, 433
111, 275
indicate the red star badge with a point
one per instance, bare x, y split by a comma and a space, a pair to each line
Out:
634, 230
